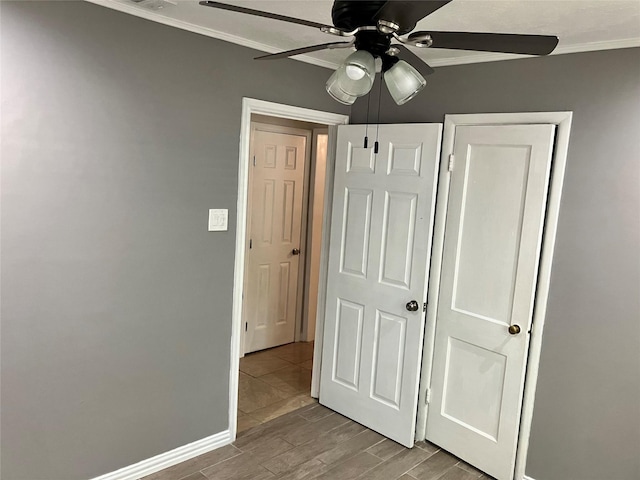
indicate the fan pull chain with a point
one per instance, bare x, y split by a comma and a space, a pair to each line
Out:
375, 145
366, 130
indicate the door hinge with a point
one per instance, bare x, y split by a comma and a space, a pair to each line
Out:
424, 307
428, 396
246, 326
254, 160
451, 160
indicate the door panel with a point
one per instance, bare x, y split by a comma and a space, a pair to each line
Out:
348, 341
380, 235
356, 230
388, 358
276, 199
283, 304
493, 235
473, 372
397, 238
500, 204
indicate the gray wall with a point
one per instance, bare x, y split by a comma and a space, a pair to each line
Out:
586, 422
118, 135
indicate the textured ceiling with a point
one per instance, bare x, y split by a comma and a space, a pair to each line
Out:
581, 25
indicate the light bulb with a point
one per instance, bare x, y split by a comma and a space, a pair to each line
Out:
354, 72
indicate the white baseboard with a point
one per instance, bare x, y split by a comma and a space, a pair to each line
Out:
527, 478
170, 458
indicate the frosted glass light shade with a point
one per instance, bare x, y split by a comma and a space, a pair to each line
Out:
333, 89
404, 82
357, 74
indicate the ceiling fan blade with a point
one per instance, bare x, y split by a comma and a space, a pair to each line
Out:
491, 42
259, 13
299, 51
415, 61
407, 13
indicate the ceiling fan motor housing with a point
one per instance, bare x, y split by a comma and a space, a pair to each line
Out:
372, 41
348, 15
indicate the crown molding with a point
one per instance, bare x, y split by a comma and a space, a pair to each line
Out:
209, 32
440, 62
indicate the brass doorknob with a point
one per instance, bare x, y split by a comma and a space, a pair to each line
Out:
295, 251
514, 329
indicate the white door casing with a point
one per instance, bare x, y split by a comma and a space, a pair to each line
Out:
492, 243
276, 216
381, 229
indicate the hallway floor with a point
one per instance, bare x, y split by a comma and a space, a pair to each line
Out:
314, 442
274, 382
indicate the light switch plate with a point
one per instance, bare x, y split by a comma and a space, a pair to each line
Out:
218, 219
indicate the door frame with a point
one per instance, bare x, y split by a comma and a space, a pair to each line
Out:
254, 106
562, 120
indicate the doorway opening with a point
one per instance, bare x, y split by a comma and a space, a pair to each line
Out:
281, 204
285, 206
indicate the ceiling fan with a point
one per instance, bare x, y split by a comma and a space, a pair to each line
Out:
383, 29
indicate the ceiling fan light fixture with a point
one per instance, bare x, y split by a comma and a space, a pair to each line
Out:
333, 89
356, 75
403, 82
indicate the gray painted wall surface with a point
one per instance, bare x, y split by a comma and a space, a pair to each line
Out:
118, 134
586, 422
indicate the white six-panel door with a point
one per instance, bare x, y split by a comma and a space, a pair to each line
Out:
381, 229
493, 235
276, 206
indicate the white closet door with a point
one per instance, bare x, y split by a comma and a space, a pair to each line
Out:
493, 236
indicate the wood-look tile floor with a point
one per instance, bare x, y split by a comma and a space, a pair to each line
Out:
274, 382
314, 442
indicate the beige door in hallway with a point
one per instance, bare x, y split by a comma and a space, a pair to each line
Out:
276, 205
